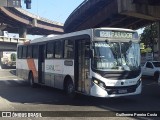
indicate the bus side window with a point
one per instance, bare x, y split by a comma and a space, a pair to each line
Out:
49, 50
35, 51
69, 49
24, 52
58, 49
29, 53
19, 52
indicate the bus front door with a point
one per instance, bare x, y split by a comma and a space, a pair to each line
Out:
41, 59
82, 66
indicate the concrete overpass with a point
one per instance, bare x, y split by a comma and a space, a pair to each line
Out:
9, 44
17, 20
132, 14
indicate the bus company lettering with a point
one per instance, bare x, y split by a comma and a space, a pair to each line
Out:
53, 67
116, 34
50, 68
122, 35
57, 68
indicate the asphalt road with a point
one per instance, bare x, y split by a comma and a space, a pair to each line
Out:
17, 95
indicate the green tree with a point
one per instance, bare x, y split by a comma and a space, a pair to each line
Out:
13, 57
150, 32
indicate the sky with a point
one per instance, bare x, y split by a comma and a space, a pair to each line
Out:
56, 10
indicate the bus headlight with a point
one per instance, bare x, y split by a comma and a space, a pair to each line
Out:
99, 83
96, 81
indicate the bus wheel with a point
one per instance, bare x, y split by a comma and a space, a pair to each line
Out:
31, 80
70, 91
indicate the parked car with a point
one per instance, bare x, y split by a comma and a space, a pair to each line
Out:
151, 68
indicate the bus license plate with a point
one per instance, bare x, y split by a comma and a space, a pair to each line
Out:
122, 91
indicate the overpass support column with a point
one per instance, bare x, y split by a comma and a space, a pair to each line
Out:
23, 32
158, 23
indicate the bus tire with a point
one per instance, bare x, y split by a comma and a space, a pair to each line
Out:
31, 80
70, 89
156, 75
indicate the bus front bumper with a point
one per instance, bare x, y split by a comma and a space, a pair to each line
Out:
116, 92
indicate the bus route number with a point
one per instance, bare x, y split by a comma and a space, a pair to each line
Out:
105, 34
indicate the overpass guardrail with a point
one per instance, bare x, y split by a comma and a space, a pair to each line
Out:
12, 40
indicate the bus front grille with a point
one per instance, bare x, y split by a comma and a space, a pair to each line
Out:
122, 75
122, 89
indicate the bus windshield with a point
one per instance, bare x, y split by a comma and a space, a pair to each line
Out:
116, 56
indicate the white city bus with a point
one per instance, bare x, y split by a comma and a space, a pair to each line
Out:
101, 62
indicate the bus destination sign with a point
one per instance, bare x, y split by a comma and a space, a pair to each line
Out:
114, 34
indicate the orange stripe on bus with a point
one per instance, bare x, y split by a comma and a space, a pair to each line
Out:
32, 67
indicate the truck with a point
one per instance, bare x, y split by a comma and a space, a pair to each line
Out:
152, 69
8, 59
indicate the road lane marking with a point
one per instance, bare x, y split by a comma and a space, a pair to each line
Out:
19, 81
8, 77
10, 82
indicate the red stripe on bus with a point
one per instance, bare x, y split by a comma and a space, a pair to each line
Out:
32, 67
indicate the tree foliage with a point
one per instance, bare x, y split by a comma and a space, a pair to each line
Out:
149, 34
13, 57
